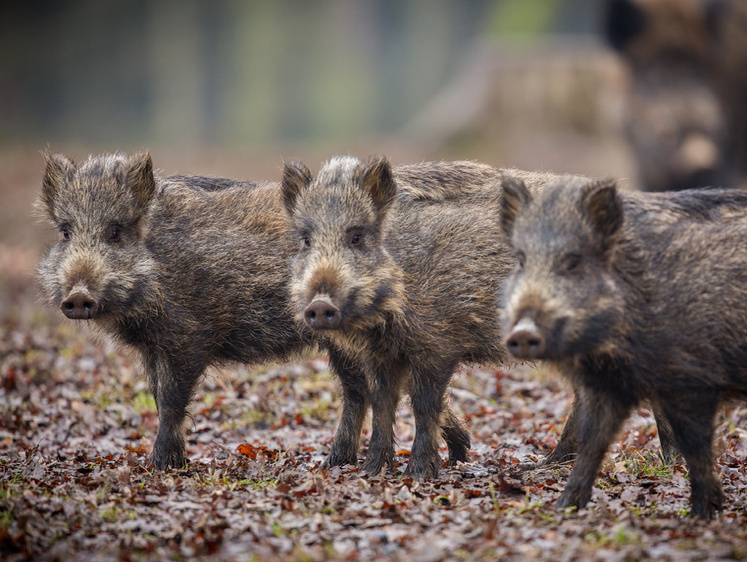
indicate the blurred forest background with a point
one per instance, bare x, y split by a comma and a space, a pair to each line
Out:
186, 73
233, 88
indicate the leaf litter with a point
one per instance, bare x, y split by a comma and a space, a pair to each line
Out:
77, 423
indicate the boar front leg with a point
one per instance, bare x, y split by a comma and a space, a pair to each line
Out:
354, 405
385, 395
598, 418
427, 395
173, 388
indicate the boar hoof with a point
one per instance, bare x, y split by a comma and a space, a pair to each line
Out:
375, 462
573, 497
706, 504
458, 453
422, 470
164, 461
336, 458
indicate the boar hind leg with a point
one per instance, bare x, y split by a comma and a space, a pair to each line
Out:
598, 419
666, 436
354, 406
384, 396
565, 450
172, 394
691, 417
455, 434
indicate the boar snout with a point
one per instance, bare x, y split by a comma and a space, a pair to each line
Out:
525, 340
79, 306
321, 314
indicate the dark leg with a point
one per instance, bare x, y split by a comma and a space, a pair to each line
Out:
598, 418
666, 437
354, 406
172, 396
427, 396
565, 450
455, 434
384, 398
691, 417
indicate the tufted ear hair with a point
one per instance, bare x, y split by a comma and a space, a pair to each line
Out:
140, 179
375, 178
601, 204
516, 196
296, 178
59, 171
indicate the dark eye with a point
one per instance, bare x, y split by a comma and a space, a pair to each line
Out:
520, 261
306, 242
65, 233
572, 263
114, 234
356, 239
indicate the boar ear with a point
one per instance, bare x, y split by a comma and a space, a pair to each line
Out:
140, 178
296, 178
515, 197
601, 203
59, 170
623, 21
377, 180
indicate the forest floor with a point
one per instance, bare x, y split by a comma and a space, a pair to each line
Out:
77, 423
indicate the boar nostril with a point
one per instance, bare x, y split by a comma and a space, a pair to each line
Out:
525, 341
79, 306
321, 314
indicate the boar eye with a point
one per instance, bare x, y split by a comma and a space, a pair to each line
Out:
65, 232
520, 261
114, 233
572, 263
306, 242
356, 239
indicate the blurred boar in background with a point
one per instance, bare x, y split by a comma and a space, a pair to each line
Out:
632, 297
188, 271
686, 106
